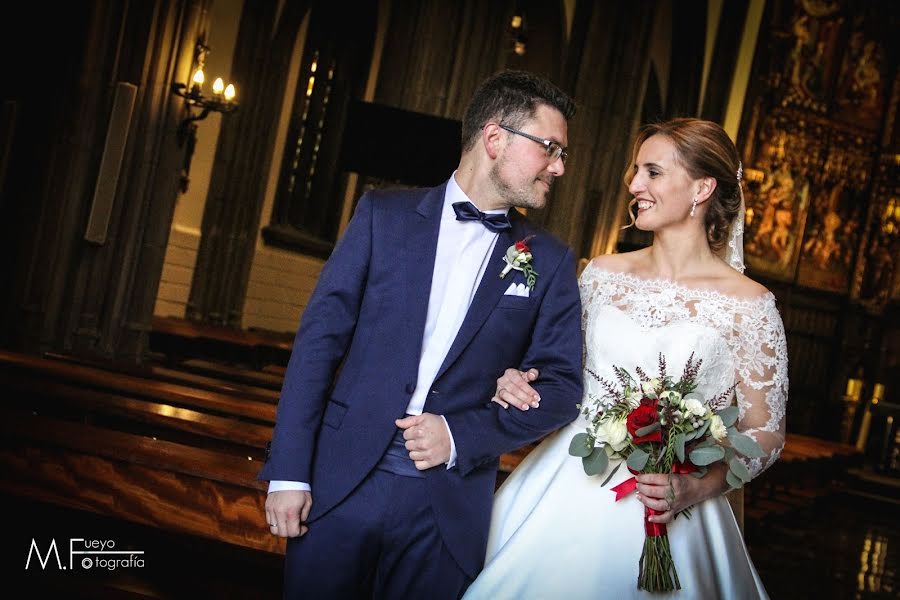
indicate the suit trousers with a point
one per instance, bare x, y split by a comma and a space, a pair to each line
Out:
381, 542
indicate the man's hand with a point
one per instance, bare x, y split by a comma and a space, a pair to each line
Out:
287, 511
427, 440
514, 388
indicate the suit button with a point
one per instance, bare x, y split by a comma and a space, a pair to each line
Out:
410, 388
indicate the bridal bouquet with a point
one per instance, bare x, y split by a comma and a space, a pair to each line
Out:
660, 425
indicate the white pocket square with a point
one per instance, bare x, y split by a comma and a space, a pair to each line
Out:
517, 289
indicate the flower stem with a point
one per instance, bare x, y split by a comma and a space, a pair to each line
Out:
657, 569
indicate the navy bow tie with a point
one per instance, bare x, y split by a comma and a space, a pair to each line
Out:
466, 211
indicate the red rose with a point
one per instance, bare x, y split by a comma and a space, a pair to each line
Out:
521, 246
641, 417
651, 402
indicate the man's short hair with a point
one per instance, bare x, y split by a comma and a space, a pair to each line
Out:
511, 98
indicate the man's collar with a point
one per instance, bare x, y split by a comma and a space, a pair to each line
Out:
455, 193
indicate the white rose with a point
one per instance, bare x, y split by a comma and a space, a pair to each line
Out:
649, 387
613, 432
634, 400
695, 407
672, 396
717, 428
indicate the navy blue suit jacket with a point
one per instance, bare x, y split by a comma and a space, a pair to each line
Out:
355, 359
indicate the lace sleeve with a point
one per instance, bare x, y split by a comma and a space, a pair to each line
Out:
761, 373
588, 287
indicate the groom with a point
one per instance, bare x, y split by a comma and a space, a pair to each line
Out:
384, 456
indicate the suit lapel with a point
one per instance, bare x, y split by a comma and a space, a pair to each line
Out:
489, 292
420, 247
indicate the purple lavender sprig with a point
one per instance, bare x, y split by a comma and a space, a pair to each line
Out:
644, 377
691, 368
723, 400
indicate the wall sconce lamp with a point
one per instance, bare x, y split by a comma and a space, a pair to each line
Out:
517, 30
221, 101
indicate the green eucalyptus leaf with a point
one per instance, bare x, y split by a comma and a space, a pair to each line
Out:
703, 429
647, 430
746, 445
637, 460
706, 443
739, 469
707, 455
679, 446
733, 481
729, 415
596, 462
581, 445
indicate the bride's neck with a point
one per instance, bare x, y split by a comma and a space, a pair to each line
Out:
678, 257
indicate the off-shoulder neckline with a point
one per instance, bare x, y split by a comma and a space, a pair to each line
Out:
663, 282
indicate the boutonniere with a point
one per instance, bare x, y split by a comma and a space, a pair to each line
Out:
518, 257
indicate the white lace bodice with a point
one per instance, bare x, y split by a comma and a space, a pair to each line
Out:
629, 321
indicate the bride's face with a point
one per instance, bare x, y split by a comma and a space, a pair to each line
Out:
662, 187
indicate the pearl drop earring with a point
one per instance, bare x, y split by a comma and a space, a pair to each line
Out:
693, 206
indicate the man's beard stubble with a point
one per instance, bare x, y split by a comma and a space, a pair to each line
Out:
519, 198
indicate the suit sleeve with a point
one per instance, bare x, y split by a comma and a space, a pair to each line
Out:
484, 433
325, 332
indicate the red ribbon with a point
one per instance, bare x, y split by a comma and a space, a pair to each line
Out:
650, 528
683, 468
629, 485
625, 488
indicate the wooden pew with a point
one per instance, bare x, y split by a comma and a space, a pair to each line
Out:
137, 387
180, 338
152, 482
210, 368
150, 452
154, 419
224, 385
808, 468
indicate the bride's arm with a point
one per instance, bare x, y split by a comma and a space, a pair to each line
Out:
760, 356
761, 373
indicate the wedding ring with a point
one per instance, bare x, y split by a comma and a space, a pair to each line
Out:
273, 524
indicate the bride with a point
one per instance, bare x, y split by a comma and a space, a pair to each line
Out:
557, 533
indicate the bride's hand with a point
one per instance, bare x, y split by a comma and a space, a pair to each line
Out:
513, 388
671, 494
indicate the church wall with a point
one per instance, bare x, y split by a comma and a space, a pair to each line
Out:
184, 238
178, 268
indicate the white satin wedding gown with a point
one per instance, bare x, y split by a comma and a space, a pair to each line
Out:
557, 533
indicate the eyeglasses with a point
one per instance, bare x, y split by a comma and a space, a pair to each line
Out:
553, 149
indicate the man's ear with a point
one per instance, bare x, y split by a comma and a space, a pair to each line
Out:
705, 188
492, 139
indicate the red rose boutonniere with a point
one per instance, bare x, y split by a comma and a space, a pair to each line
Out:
518, 257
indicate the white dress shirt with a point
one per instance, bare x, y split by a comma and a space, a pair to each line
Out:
463, 251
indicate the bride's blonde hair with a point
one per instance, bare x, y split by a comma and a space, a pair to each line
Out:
704, 150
